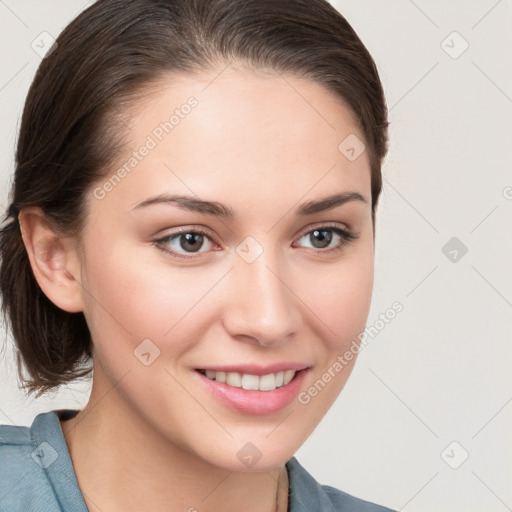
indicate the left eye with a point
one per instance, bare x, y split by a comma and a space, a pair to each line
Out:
323, 236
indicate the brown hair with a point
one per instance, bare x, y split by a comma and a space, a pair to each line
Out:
72, 127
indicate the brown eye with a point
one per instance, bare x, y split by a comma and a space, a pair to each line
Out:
185, 241
323, 236
192, 241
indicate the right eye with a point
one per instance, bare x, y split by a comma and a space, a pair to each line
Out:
188, 240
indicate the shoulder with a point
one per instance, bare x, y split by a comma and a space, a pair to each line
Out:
307, 495
20, 474
29, 459
12, 435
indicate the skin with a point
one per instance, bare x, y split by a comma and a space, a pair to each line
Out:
262, 144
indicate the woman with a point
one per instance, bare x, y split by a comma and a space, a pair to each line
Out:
194, 214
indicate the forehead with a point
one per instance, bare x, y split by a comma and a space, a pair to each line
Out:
261, 135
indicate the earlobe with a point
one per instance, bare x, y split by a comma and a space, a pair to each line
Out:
53, 260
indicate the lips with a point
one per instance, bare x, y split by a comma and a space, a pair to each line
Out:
254, 389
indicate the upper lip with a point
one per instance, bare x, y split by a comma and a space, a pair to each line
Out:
254, 369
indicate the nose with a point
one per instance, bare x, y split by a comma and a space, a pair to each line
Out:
261, 305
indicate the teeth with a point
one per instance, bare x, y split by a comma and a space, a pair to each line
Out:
234, 379
288, 376
249, 382
267, 382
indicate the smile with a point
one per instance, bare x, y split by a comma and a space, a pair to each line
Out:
254, 389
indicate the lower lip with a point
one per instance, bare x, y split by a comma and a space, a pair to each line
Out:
255, 402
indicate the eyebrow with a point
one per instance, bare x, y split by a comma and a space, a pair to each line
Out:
219, 210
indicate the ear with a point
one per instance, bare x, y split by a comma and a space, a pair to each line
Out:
53, 259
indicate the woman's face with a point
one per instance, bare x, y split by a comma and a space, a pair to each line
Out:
259, 282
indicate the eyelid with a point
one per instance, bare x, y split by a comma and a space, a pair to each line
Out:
191, 228
324, 225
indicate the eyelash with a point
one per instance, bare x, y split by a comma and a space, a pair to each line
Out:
346, 238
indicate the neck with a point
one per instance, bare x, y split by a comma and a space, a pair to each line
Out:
122, 464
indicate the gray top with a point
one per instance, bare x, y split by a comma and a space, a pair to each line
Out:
36, 474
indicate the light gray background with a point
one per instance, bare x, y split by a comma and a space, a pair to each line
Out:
440, 371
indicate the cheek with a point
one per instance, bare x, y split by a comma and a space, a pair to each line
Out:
133, 298
339, 296
340, 302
